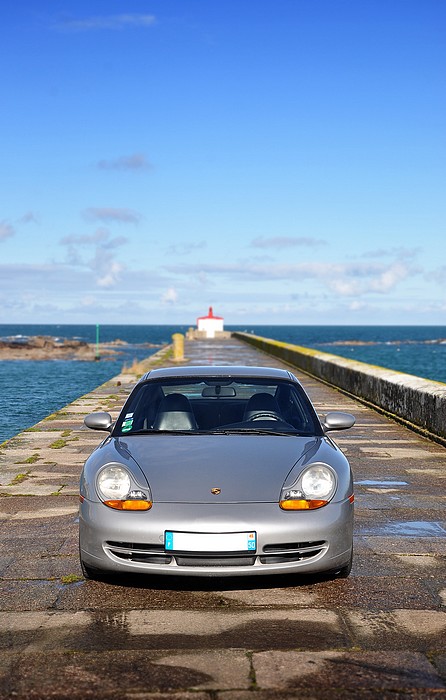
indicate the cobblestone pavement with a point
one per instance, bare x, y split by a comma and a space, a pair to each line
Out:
380, 633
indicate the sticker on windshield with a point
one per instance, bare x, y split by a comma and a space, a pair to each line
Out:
127, 425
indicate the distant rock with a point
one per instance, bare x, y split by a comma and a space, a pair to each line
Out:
42, 347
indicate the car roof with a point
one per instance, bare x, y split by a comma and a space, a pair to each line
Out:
226, 371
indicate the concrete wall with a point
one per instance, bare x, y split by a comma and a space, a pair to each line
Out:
419, 402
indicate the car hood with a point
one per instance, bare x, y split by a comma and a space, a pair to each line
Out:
184, 469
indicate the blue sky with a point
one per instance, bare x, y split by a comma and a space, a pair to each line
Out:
281, 160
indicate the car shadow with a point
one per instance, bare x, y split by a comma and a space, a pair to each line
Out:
215, 583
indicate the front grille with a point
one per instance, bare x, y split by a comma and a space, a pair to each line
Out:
137, 545
281, 553
291, 551
214, 561
286, 546
141, 553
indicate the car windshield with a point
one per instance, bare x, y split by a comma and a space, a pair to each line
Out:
218, 405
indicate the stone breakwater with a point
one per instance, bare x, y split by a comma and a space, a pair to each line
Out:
43, 347
418, 402
49, 348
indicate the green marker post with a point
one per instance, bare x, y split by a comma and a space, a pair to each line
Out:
97, 356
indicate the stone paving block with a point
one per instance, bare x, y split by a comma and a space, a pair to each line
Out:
40, 568
5, 562
367, 563
228, 669
19, 629
40, 630
405, 545
28, 595
305, 628
71, 544
319, 693
345, 670
35, 544
25, 503
139, 593
78, 675
27, 525
378, 592
31, 487
273, 597
439, 661
421, 630
53, 510
437, 586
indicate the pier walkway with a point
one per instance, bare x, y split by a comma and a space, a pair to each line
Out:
380, 634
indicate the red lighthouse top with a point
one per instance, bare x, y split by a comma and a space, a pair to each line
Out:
210, 315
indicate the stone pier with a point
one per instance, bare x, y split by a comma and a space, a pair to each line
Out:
380, 634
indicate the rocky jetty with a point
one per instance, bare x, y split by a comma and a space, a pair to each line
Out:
43, 347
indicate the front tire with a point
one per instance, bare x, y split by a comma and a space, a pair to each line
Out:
91, 574
344, 571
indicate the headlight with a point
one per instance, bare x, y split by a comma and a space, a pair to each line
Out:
314, 488
318, 482
114, 486
113, 483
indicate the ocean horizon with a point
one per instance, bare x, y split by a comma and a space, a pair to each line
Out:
31, 389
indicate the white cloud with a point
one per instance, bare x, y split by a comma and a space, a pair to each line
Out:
438, 275
99, 236
344, 287
389, 278
185, 248
6, 230
345, 279
135, 162
279, 242
28, 218
123, 21
170, 296
357, 306
88, 301
400, 253
112, 215
112, 274
106, 268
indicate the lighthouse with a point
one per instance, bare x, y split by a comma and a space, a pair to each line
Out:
210, 325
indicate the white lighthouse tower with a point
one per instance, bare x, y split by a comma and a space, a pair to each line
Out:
210, 325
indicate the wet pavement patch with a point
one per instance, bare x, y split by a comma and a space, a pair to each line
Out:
378, 670
414, 528
383, 483
81, 675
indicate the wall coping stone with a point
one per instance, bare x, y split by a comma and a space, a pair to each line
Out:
416, 401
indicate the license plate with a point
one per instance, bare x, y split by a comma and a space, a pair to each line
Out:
210, 541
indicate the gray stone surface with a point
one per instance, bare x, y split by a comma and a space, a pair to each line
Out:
381, 633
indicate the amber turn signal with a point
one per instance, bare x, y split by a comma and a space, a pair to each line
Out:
129, 505
301, 504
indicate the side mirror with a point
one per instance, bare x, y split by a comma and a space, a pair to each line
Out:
335, 420
99, 421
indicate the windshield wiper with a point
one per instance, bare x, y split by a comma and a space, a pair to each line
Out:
151, 431
251, 431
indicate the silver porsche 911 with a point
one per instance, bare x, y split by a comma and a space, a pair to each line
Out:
217, 471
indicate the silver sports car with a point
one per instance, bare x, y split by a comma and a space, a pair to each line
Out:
217, 471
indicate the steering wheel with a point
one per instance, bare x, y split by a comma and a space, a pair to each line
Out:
264, 415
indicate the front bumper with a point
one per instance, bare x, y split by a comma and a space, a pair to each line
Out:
287, 541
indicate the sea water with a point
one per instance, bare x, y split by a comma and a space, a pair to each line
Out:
31, 390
